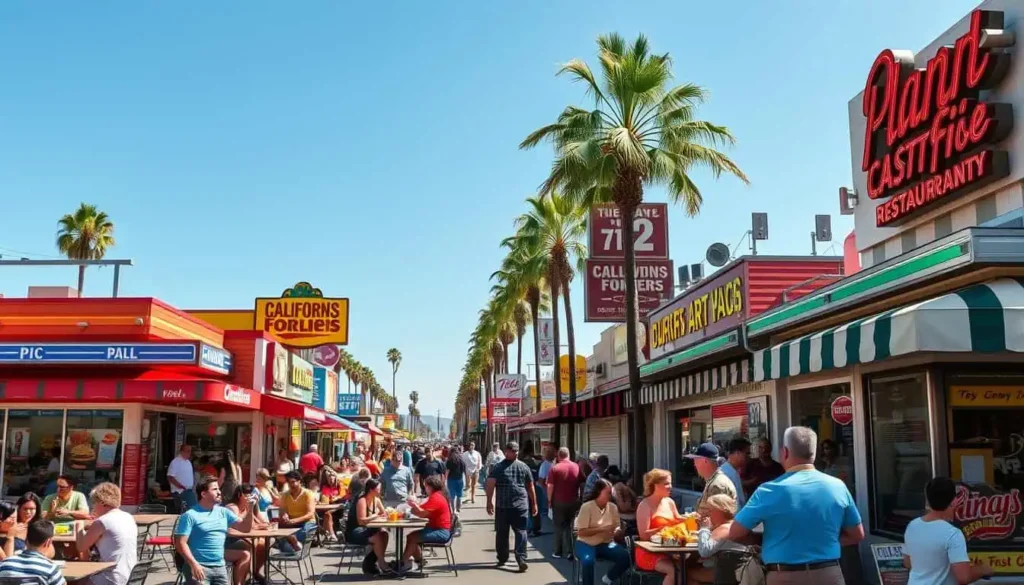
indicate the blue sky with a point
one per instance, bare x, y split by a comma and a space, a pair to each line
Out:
371, 148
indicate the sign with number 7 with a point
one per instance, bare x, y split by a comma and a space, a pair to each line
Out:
650, 231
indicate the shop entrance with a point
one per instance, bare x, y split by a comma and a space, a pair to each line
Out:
813, 408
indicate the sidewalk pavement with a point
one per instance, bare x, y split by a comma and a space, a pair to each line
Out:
474, 556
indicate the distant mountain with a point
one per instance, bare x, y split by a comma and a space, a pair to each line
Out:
431, 421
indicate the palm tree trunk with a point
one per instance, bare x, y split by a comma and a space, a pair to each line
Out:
536, 351
571, 334
81, 279
506, 357
639, 442
558, 354
519, 356
393, 395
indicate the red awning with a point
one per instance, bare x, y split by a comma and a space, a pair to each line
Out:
284, 408
597, 407
192, 393
373, 429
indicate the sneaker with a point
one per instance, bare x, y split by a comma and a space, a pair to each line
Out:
606, 580
570, 558
522, 565
556, 556
407, 566
500, 564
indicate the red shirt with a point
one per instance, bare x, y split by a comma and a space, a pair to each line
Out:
439, 515
565, 479
330, 492
373, 467
310, 462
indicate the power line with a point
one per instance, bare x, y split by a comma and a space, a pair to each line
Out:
28, 254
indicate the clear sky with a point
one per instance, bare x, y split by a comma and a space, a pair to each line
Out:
371, 148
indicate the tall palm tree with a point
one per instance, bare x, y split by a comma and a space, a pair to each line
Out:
85, 235
356, 375
640, 132
555, 227
395, 359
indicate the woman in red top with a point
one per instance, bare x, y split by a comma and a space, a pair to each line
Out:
438, 513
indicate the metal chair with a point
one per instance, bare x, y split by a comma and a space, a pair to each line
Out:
162, 544
635, 571
449, 553
352, 551
152, 509
278, 562
139, 573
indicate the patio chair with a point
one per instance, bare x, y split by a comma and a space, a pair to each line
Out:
354, 552
635, 571
152, 509
161, 544
449, 553
279, 561
139, 573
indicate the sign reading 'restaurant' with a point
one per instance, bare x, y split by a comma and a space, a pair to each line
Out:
302, 317
928, 136
707, 310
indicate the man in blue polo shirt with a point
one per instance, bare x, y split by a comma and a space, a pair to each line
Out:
200, 534
807, 515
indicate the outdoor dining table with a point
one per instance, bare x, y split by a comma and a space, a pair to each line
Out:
267, 535
78, 570
322, 508
147, 520
399, 527
680, 552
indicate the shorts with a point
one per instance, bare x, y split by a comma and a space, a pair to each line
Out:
285, 546
435, 535
456, 487
360, 535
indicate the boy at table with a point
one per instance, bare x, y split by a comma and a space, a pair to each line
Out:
35, 561
201, 532
298, 510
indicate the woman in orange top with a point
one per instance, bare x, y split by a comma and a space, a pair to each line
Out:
656, 511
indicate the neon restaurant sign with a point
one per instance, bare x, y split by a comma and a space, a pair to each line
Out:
928, 135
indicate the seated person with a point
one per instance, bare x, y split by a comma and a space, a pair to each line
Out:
298, 510
437, 510
364, 509
713, 538
35, 561
597, 525
15, 526
67, 505
235, 503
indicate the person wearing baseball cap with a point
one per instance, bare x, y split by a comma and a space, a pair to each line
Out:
705, 459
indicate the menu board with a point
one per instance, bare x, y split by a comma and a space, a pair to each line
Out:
889, 563
132, 462
19, 443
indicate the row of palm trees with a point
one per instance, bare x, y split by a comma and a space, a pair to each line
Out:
639, 132
361, 377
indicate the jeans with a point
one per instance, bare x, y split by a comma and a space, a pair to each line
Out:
214, 575
184, 501
505, 518
537, 522
611, 551
564, 513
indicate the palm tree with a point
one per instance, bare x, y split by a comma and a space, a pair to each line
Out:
85, 235
640, 132
395, 358
555, 227
355, 374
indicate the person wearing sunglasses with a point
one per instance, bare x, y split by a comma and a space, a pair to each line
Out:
67, 505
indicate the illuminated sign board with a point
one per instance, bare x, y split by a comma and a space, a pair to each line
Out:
707, 310
302, 317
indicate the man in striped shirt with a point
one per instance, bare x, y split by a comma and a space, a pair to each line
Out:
35, 561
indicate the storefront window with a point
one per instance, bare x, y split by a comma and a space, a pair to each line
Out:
901, 456
986, 423
33, 450
210, 440
822, 410
719, 424
92, 449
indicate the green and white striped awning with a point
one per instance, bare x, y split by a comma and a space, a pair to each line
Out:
984, 318
693, 383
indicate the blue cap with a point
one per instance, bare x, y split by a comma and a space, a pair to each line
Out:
708, 450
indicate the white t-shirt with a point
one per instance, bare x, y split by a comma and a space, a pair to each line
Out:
118, 544
472, 461
181, 470
932, 548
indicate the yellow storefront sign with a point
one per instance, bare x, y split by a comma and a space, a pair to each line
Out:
1002, 562
302, 317
986, 396
581, 373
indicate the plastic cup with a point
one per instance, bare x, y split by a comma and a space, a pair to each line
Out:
273, 526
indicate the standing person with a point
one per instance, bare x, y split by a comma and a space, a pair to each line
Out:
200, 535
229, 473
473, 462
397, 480
601, 463
428, 466
311, 462
563, 487
182, 478
510, 498
284, 462
597, 525
796, 550
494, 457
298, 510
417, 456
705, 459
934, 549
455, 474
738, 452
67, 504
35, 561
762, 469
541, 486
113, 533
